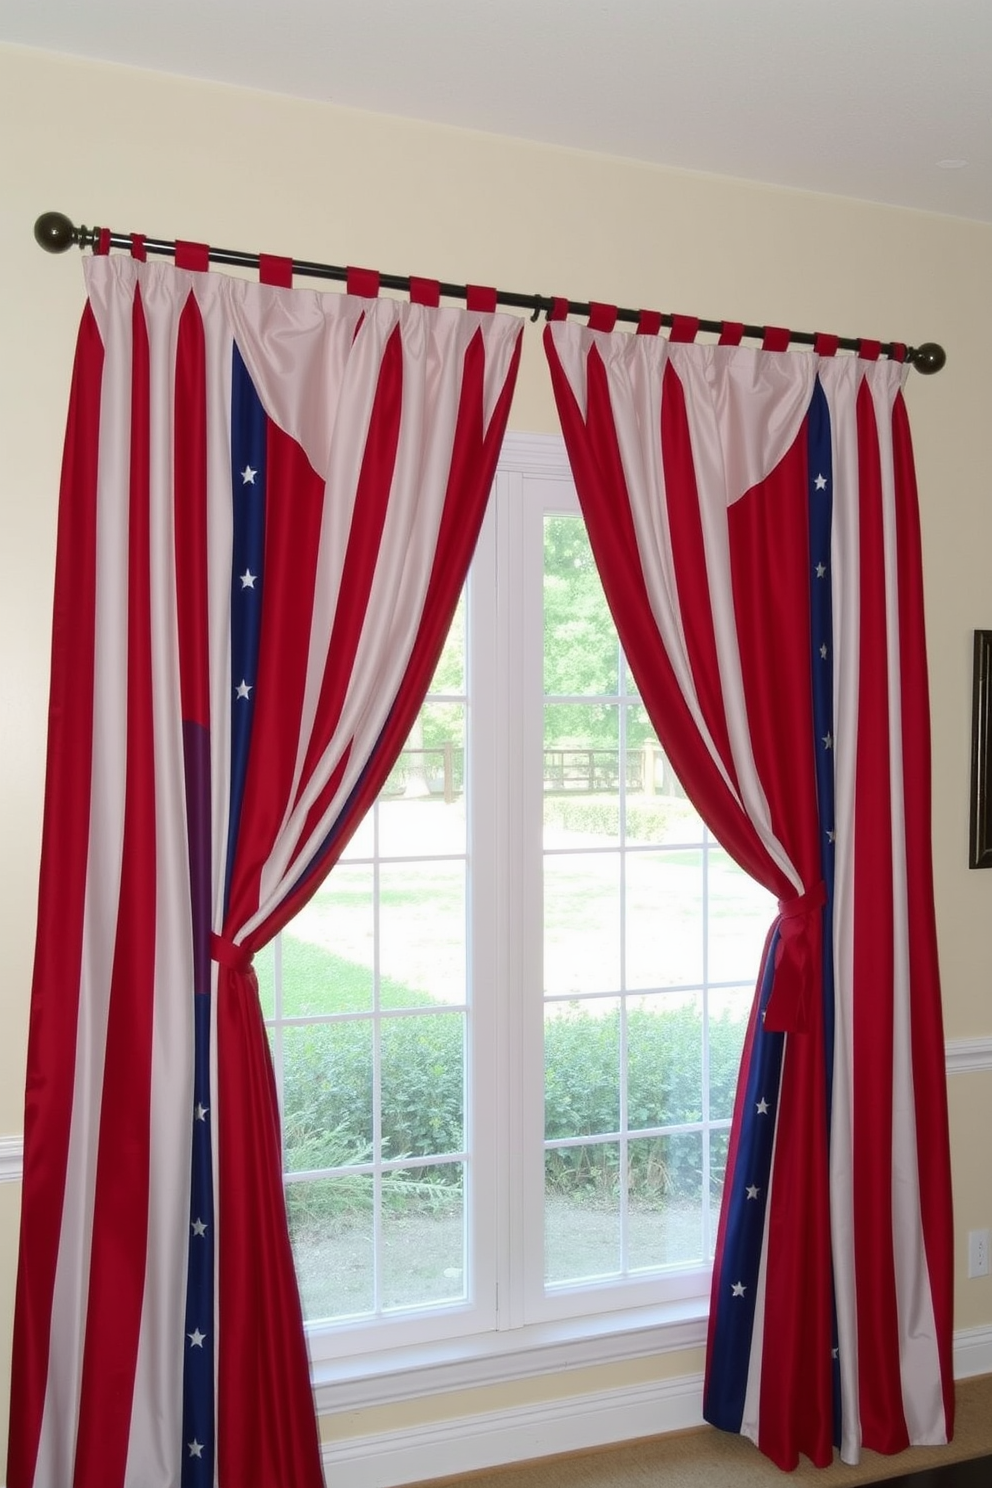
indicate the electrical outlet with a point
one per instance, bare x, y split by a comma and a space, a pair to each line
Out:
978, 1252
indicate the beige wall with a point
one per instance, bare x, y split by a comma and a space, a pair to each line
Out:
240, 169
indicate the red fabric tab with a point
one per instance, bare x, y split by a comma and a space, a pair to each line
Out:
103, 241
898, 351
649, 323
776, 338
825, 345
602, 317
194, 256
479, 297
363, 282
138, 247
684, 328
424, 291
273, 269
559, 308
869, 350
731, 333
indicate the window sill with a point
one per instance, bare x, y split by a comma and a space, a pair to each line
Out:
495, 1358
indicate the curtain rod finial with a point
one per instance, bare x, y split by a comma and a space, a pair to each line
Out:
929, 358
54, 232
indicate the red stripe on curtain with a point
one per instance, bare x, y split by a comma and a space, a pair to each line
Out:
364, 540
263, 1354
62, 890
929, 1064
190, 501
882, 1418
120, 1222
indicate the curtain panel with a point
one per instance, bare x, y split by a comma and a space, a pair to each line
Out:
754, 517
269, 501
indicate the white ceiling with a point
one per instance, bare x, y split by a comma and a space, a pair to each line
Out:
889, 100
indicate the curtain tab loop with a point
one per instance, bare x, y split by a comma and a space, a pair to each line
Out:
226, 953
797, 961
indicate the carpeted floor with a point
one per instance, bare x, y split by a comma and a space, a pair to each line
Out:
712, 1459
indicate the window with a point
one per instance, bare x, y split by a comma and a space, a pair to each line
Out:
507, 1028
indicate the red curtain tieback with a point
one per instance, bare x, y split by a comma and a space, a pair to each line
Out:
796, 958
226, 953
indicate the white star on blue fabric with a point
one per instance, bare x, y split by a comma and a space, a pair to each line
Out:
752, 1191
831, 836
738, 1289
200, 1111
248, 579
195, 1448
828, 741
823, 651
820, 483
199, 1228
820, 570
196, 1338
248, 476
242, 690
762, 1107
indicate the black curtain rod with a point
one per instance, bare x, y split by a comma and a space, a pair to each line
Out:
55, 233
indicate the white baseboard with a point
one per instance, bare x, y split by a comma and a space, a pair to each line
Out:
468, 1444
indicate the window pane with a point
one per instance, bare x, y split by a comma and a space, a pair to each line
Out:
327, 949
664, 919
664, 1061
665, 1177
740, 912
423, 1236
422, 806
581, 654
423, 1085
582, 1068
581, 923
729, 1013
422, 933
327, 1094
332, 1226
582, 1212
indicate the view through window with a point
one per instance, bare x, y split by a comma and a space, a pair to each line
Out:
585, 1080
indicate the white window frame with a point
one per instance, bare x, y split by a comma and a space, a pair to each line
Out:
510, 1326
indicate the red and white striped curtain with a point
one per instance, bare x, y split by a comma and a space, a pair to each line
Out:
269, 501
753, 514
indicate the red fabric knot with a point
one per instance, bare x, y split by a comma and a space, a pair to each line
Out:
775, 338
869, 351
424, 292
194, 256
797, 961
480, 297
226, 953
649, 323
898, 351
684, 328
138, 247
559, 308
274, 269
363, 282
602, 317
102, 244
825, 345
731, 333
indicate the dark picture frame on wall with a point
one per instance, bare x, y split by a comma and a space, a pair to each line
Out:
980, 855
